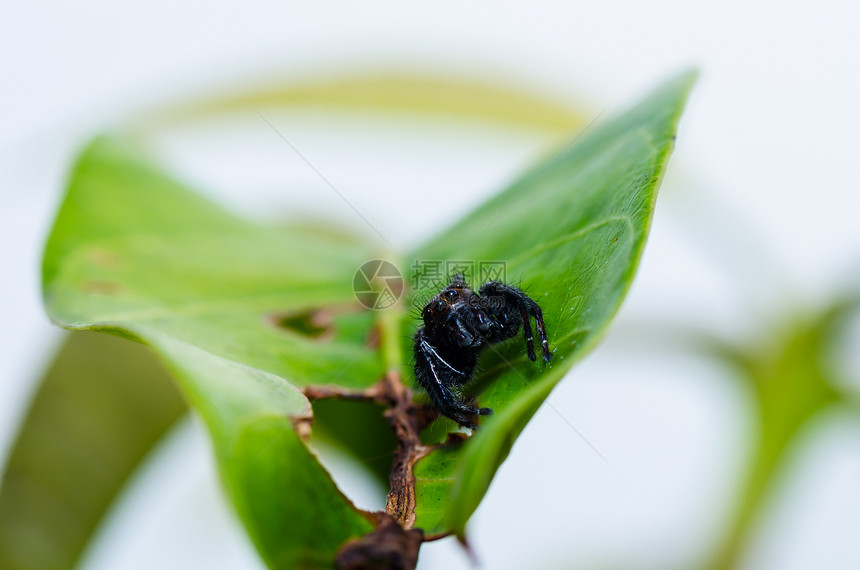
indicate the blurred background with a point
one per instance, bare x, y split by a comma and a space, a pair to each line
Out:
756, 230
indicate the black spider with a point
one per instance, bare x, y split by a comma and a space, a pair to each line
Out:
458, 323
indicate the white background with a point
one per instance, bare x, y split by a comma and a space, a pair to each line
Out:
758, 218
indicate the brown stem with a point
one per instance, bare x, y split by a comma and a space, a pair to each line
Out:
372, 394
407, 420
395, 543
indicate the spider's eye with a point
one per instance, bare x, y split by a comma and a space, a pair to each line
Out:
439, 306
451, 295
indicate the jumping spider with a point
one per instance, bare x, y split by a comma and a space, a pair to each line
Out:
458, 324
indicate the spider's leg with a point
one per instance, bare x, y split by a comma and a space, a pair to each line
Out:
444, 376
541, 327
436, 375
527, 331
527, 307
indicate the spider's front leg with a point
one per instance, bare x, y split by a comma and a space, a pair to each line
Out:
438, 374
515, 298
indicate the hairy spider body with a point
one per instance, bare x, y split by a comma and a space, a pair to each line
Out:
458, 324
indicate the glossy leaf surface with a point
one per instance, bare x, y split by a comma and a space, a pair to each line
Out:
570, 232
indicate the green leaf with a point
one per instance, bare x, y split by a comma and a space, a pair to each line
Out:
291, 507
247, 315
101, 407
571, 233
135, 253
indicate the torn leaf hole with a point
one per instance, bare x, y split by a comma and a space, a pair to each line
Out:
373, 445
316, 324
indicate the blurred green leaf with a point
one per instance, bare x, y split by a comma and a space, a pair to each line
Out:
101, 407
791, 380
571, 232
